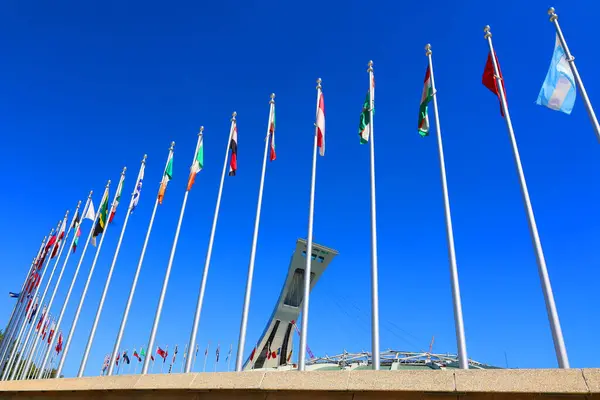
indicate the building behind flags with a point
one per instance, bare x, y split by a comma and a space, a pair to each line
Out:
426, 97
167, 176
117, 200
321, 123
198, 163
489, 79
233, 145
272, 154
102, 218
558, 91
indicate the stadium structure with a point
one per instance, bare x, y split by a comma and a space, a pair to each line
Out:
274, 347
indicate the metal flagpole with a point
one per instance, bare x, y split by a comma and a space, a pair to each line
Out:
62, 270
244, 324
16, 312
135, 279
25, 352
88, 347
188, 365
28, 313
67, 344
559, 343
463, 360
61, 363
374, 274
20, 306
309, 244
163, 292
66, 302
571, 60
229, 358
184, 357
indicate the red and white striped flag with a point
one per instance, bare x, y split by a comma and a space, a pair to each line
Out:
321, 123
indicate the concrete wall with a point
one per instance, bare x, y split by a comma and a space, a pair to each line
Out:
583, 384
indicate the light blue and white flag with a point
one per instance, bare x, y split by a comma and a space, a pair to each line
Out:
138, 191
559, 90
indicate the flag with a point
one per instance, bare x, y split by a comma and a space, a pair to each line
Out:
106, 362
272, 156
426, 97
229, 354
197, 347
269, 351
34, 311
365, 115
59, 343
321, 124
198, 163
45, 329
51, 334
252, 354
14, 295
289, 357
233, 147
75, 225
167, 176
218, 351
90, 213
489, 79
42, 259
39, 324
558, 91
174, 354
101, 224
142, 352
161, 353
115, 204
137, 192
136, 355
118, 358
125, 357
206, 351
61, 235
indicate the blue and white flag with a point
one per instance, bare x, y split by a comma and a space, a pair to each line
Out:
559, 90
138, 190
13, 295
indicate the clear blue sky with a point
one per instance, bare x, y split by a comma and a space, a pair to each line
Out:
88, 89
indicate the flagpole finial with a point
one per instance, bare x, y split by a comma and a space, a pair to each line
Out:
144, 159
79, 204
124, 169
272, 101
552, 14
172, 146
319, 83
427, 49
370, 64
67, 213
233, 115
90, 195
201, 130
108, 184
488, 33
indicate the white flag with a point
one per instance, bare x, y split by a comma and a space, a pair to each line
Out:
138, 190
90, 213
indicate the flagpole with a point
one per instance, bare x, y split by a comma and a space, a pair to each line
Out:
229, 358
163, 292
15, 314
185, 357
67, 344
188, 364
571, 60
557, 335
88, 347
20, 306
374, 273
60, 275
5, 375
25, 352
463, 359
66, 301
244, 323
135, 279
309, 245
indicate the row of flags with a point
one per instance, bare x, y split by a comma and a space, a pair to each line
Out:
558, 92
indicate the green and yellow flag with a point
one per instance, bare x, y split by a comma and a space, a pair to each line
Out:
102, 219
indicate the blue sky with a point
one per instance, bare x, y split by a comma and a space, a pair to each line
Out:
90, 88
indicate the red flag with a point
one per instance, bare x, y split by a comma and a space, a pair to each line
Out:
489, 79
252, 354
321, 124
161, 353
233, 146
